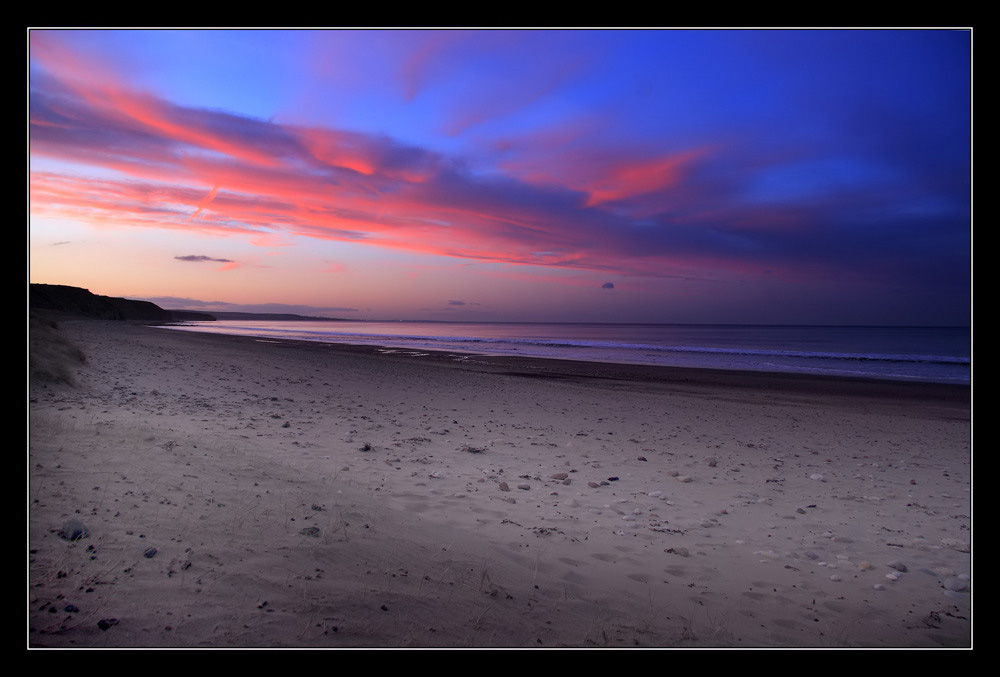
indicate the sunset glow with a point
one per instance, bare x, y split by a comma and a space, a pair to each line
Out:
647, 176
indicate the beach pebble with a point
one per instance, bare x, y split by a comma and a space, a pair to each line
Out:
504, 486
878, 586
817, 477
655, 494
106, 623
956, 585
149, 553
893, 576
835, 577
525, 487
897, 565
559, 476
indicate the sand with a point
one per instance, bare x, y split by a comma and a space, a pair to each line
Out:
244, 493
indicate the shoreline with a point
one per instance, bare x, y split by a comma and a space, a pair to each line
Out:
791, 354
554, 367
240, 492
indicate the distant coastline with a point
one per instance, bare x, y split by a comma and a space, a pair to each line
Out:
275, 317
934, 355
80, 302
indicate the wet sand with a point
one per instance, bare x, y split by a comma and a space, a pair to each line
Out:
246, 493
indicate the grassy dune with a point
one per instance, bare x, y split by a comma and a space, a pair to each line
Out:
51, 357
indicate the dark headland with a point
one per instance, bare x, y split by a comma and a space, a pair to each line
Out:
79, 302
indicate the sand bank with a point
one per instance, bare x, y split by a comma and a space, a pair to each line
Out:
241, 493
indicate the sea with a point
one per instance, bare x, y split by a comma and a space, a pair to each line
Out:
924, 354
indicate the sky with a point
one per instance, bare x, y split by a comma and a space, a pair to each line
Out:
689, 176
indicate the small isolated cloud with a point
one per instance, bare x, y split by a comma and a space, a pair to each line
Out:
456, 303
199, 258
608, 285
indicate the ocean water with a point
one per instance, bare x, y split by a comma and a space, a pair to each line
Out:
928, 354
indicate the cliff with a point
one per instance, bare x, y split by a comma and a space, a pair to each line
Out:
82, 303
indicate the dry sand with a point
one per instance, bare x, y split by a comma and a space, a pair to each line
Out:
244, 493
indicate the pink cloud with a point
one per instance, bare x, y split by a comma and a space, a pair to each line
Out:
534, 84
183, 168
639, 177
422, 63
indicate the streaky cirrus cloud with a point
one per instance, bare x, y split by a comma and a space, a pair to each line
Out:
550, 171
324, 183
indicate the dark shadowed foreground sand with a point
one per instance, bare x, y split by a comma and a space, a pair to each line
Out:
233, 492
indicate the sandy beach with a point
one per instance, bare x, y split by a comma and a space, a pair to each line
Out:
204, 491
